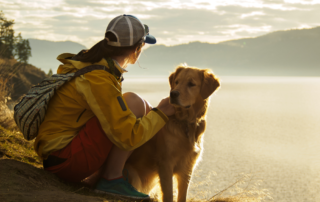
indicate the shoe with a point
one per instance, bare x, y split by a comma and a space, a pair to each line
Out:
120, 188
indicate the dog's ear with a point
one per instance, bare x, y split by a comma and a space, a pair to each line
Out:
209, 83
174, 74
171, 79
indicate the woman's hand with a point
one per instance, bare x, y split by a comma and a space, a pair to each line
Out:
166, 107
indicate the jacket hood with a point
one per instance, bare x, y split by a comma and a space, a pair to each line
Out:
69, 65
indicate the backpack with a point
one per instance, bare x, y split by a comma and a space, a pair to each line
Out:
29, 113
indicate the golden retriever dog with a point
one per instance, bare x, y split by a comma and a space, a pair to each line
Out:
176, 148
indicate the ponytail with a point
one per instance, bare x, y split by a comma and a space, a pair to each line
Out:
103, 50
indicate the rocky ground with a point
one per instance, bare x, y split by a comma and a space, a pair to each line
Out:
24, 182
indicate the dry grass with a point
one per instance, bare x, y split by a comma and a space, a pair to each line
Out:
245, 189
12, 143
14, 146
19, 77
6, 115
15, 80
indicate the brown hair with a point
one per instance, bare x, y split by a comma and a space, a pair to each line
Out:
103, 50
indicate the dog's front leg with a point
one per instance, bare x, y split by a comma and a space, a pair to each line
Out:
183, 179
165, 174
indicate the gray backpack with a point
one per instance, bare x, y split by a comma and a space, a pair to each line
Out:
29, 113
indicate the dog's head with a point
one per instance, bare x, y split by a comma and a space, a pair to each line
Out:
189, 85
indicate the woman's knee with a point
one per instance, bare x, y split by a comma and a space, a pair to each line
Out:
135, 103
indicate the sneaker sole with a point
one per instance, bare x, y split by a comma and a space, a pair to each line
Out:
123, 197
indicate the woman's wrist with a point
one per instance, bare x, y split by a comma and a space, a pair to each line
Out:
160, 113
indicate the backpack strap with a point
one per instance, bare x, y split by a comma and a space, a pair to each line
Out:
114, 71
90, 69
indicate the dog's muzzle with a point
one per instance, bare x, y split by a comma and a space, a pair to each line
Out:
174, 94
174, 97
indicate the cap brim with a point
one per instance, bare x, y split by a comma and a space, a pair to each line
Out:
150, 39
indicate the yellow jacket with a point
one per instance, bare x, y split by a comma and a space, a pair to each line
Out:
93, 94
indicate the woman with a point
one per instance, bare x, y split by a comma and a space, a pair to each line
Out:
90, 128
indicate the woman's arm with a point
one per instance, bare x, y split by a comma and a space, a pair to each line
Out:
118, 122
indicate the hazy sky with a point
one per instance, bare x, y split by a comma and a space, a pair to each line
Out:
171, 22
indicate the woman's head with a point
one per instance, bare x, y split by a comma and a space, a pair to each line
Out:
124, 38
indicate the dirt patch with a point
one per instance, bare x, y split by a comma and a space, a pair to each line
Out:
23, 182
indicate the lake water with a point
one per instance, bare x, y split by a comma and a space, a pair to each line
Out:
268, 127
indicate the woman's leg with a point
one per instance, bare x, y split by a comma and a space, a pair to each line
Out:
117, 157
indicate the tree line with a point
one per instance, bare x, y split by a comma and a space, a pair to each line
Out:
11, 45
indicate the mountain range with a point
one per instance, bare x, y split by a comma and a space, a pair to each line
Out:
280, 53
44, 53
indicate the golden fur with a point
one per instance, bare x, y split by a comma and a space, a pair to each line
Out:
176, 148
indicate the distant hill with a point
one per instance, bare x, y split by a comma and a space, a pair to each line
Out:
281, 53
44, 53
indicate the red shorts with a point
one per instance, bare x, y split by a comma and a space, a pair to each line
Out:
84, 155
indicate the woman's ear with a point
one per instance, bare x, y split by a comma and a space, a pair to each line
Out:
209, 84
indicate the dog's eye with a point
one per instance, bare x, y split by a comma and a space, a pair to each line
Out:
177, 82
190, 84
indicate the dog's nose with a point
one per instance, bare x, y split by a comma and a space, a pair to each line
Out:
174, 94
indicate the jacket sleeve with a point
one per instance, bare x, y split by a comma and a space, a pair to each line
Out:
116, 119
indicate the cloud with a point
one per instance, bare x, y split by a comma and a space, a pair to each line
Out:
172, 22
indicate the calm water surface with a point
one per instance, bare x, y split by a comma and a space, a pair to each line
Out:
268, 127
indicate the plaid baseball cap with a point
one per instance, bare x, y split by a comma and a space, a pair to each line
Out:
128, 30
